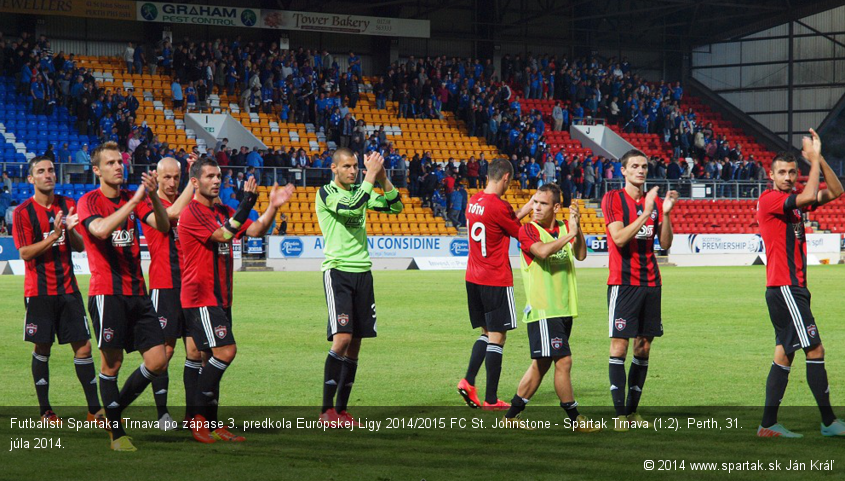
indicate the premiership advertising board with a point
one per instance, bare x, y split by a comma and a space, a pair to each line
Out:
744, 243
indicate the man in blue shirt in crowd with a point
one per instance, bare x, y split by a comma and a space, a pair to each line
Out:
63, 155
253, 159
457, 205
533, 169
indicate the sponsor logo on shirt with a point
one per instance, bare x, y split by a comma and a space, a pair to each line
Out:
123, 238
59, 242
646, 232
355, 222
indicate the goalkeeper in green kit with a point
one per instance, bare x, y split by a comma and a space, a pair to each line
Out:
342, 212
549, 249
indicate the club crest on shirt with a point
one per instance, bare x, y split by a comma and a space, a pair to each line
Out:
811, 330
162, 321
557, 343
220, 331
31, 329
123, 238
108, 334
343, 319
620, 324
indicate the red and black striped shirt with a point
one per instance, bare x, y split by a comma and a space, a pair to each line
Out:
165, 254
207, 266
635, 263
115, 262
51, 273
782, 229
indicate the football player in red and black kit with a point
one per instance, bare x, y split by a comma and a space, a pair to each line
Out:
123, 315
165, 284
780, 214
633, 219
491, 223
206, 231
45, 230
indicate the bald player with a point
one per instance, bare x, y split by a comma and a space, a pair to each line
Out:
165, 277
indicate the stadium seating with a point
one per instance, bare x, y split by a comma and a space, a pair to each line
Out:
721, 126
445, 138
26, 135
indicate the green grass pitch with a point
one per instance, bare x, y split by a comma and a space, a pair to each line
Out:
716, 351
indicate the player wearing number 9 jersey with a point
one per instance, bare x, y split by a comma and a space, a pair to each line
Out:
489, 281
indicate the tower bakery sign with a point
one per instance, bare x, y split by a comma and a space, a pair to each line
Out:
342, 23
197, 14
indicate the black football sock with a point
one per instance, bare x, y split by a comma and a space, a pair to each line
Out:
190, 377
479, 350
347, 379
135, 385
88, 378
517, 406
571, 409
775, 387
493, 360
617, 384
208, 388
817, 380
160, 385
331, 378
41, 378
111, 401
636, 380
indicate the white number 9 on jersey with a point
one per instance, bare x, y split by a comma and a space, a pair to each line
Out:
478, 233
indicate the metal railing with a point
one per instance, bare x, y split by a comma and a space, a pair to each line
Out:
699, 188
70, 173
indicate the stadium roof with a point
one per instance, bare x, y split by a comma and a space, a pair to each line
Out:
666, 24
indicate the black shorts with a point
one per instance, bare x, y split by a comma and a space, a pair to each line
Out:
549, 338
125, 322
61, 316
491, 307
177, 104
789, 310
351, 302
210, 326
634, 311
168, 306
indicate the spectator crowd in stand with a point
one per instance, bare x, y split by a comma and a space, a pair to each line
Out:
309, 86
